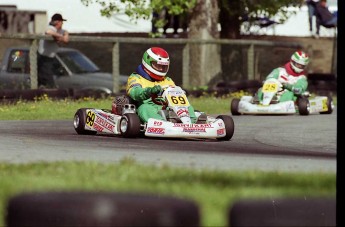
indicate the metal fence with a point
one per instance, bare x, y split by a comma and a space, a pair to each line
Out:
240, 59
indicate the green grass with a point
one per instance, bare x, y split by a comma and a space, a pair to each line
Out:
44, 108
213, 191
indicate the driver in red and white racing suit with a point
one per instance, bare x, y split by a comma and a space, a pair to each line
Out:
148, 79
292, 77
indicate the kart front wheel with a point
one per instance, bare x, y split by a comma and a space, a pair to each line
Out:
303, 106
229, 127
329, 106
79, 122
234, 106
130, 125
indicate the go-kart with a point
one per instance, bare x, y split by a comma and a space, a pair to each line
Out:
123, 120
270, 103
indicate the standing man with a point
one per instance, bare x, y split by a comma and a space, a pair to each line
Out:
311, 4
47, 50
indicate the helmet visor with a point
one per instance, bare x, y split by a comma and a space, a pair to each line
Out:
163, 68
297, 65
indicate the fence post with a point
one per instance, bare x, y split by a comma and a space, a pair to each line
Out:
33, 64
185, 66
250, 61
116, 67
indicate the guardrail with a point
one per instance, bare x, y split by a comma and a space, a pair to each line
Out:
250, 46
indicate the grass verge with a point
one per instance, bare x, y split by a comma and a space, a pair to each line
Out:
45, 108
213, 191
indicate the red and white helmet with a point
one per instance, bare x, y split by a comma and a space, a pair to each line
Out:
299, 61
156, 62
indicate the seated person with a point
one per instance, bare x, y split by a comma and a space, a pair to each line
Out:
292, 76
324, 16
148, 79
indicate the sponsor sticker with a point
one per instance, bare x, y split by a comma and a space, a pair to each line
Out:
104, 123
221, 131
194, 130
98, 127
157, 123
154, 130
181, 125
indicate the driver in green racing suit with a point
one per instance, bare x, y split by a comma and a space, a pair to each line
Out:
292, 77
149, 79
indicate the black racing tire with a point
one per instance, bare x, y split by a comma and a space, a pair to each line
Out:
329, 106
104, 209
229, 127
283, 212
130, 125
303, 106
80, 121
234, 106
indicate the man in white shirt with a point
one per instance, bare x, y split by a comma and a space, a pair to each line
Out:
47, 50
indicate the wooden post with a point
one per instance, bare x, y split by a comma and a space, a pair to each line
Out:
33, 64
116, 67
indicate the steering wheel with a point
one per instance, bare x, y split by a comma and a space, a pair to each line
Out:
159, 101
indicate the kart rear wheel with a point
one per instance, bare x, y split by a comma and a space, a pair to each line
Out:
229, 127
130, 125
329, 106
303, 106
234, 106
80, 121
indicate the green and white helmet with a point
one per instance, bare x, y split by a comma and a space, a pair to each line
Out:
156, 62
299, 61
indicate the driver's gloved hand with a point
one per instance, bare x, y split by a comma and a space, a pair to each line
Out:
287, 86
156, 89
152, 90
297, 91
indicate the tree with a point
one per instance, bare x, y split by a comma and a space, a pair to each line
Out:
234, 12
203, 25
204, 17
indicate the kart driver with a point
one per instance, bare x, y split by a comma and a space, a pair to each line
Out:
148, 79
292, 77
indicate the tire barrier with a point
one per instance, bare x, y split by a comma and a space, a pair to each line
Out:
322, 83
283, 212
99, 209
10, 96
15, 95
250, 86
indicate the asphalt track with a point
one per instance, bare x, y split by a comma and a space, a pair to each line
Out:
278, 143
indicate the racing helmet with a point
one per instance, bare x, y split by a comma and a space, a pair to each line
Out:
156, 62
299, 61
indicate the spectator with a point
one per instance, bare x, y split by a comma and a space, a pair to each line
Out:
47, 51
170, 20
324, 17
311, 13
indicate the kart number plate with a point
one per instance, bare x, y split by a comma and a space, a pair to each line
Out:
180, 100
270, 87
90, 118
324, 105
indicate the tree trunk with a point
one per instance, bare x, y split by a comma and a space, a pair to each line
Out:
205, 61
230, 25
